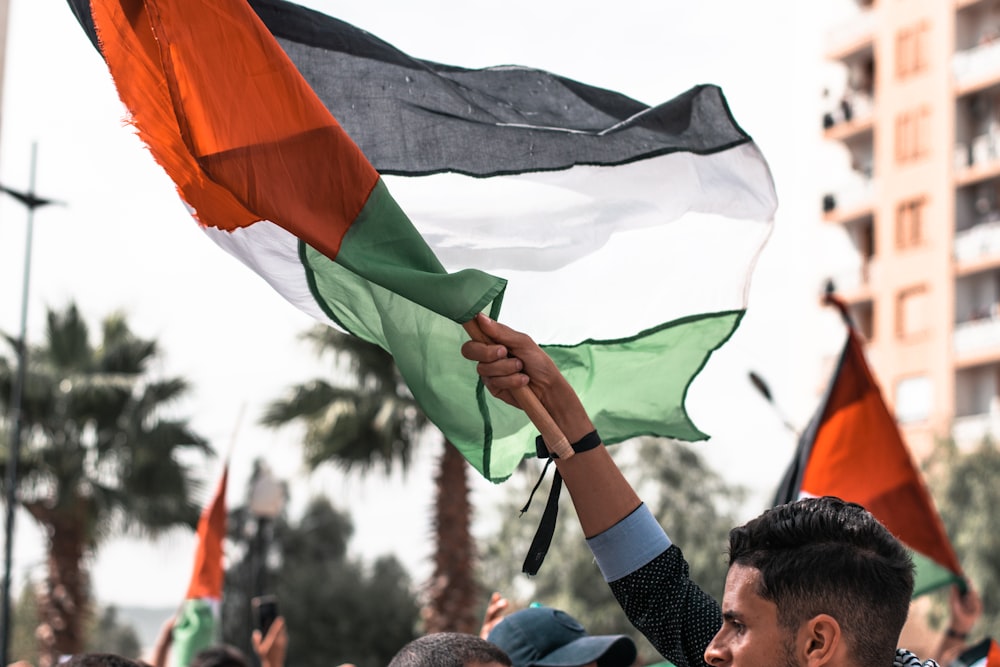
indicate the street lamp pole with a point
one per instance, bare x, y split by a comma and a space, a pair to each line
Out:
31, 202
267, 500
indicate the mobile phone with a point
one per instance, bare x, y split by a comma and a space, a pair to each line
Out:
265, 610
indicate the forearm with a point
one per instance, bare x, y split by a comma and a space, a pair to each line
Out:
161, 651
948, 649
509, 361
601, 494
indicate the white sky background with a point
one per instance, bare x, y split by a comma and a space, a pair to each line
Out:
125, 241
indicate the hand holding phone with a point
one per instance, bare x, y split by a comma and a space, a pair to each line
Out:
265, 610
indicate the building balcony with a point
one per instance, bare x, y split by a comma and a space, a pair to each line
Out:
851, 119
854, 200
970, 430
977, 340
854, 285
977, 247
851, 37
976, 68
978, 161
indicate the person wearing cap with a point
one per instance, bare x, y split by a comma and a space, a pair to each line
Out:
547, 637
814, 583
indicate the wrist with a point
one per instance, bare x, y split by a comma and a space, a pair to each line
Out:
563, 404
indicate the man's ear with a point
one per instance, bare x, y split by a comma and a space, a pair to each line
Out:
819, 642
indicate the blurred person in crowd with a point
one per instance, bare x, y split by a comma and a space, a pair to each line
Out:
964, 609
450, 649
545, 637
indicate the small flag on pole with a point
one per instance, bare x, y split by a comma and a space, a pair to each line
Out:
982, 654
852, 449
195, 626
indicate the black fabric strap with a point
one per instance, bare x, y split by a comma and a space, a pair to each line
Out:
586, 443
547, 526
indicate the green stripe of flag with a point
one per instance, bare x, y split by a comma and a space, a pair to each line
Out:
493, 436
931, 576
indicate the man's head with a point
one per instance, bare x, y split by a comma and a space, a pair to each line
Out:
833, 578
546, 637
101, 660
221, 655
450, 649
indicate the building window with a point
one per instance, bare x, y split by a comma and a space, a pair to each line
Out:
909, 223
912, 313
914, 399
911, 50
912, 134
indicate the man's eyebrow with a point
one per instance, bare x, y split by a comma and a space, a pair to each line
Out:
730, 616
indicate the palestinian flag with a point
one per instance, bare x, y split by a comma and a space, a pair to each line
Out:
853, 449
603, 214
983, 654
195, 626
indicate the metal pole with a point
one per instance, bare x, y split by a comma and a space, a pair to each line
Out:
15, 433
257, 588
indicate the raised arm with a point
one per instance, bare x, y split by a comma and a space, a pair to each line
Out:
601, 494
647, 574
964, 608
272, 647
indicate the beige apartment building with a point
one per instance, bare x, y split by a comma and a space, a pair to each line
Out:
918, 117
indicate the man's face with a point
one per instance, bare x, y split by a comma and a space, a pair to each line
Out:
750, 634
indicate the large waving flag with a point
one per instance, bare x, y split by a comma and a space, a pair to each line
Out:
195, 625
853, 449
626, 234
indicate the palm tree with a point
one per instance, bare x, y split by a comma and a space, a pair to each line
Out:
98, 458
369, 421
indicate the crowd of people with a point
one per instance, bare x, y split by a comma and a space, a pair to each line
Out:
814, 583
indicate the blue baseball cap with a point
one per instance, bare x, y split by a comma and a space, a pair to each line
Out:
546, 637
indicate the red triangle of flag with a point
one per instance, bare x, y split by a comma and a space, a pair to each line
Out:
208, 573
853, 450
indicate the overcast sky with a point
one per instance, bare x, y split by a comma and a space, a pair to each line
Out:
124, 241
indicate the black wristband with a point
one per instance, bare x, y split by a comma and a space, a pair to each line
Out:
955, 634
584, 444
547, 526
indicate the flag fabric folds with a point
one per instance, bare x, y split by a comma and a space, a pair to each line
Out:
602, 214
852, 449
195, 625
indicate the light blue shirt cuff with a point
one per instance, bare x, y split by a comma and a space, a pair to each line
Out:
629, 544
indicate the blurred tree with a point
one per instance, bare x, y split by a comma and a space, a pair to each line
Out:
108, 634
965, 488
337, 609
98, 458
370, 420
695, 505
23, 645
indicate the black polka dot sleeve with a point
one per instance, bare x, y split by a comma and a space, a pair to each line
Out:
677, 617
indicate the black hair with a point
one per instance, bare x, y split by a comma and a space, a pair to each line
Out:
827, 556
101, 660
222, 655
448, 649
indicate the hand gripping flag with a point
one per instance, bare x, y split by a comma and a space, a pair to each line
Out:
194, 628
626, 233
853, 449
